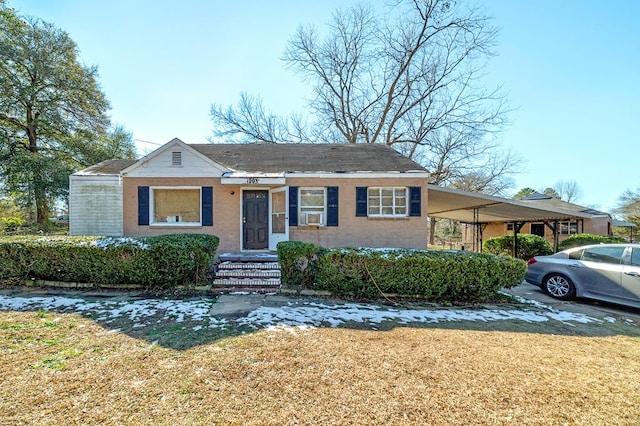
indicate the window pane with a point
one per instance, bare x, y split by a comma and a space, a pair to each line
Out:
278, 223
577, 255
176, 205
604, 254
278, 202
387, 201
312, 208
312, 197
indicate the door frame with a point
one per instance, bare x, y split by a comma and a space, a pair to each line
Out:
242, 242
274, 239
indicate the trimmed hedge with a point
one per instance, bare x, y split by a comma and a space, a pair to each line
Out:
153, 262
451, 276
585, 239
529, 245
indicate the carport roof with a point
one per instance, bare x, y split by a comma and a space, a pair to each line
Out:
470, 207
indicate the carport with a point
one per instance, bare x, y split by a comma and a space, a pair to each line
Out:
479, 210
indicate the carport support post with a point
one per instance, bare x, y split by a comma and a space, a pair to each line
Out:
517, 226
554, 229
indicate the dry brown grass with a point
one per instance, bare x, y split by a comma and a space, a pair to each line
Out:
65, 369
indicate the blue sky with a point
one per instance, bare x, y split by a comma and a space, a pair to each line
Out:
571, 68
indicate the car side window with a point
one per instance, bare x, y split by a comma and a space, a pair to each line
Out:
576, 255
604, 254
635, 257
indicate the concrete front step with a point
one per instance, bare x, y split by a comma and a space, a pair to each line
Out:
247, 282
249, 265
246, 285
251, 290
248, 273
248, 257
239, 273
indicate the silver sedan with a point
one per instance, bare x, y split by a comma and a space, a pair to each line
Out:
607, 272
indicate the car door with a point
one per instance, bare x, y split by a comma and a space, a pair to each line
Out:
601, 271
630, 286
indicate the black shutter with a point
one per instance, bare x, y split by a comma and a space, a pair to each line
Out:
207, 206
415, 205
143, 205
361, 201
332, 206
293, 206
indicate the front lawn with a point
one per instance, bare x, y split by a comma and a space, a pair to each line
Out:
63, 368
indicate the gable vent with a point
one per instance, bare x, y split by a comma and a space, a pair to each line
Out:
176, 158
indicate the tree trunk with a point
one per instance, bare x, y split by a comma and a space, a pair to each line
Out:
40, 196
432, 231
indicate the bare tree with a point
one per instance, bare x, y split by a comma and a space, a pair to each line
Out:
629, 206
251, 122
408, 80
568, 190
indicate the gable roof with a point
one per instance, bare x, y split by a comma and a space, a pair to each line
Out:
281, 158
328, 158
172, 144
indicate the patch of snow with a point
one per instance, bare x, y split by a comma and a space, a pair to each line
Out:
108, 242
310, 314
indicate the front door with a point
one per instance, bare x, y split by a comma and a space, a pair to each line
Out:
279, 223
255, 220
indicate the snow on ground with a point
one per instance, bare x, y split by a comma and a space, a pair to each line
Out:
301, 314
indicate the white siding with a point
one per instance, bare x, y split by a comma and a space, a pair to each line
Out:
95, 205
160, 165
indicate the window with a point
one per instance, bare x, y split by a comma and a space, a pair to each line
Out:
175, 206
510, 226
387, 202
312, 206
176, 158
604, 254
537, 229
568, 228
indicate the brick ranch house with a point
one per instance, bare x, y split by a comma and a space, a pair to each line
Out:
254, 195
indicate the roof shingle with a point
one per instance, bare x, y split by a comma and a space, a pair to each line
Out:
330, 158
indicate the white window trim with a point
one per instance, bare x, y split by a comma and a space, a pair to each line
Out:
394, 215
568, 225
171, 224
301, 214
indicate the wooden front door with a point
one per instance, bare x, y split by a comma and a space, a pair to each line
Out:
255, 220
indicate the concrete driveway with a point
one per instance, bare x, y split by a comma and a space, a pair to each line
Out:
588, 307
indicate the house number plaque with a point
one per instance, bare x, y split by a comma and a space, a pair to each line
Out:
253, 180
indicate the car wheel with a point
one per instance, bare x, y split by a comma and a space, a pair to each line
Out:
559, 286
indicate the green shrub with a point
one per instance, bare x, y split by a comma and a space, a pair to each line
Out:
11, 224
454, 276
153, 262
298, 263
529, 245
584, 239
